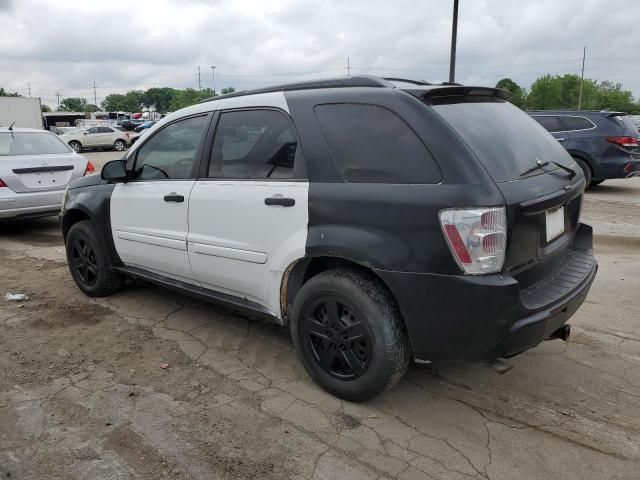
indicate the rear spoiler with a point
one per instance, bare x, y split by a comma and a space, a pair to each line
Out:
613, 114
452, 90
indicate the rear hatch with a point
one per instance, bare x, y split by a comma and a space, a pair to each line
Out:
37, 162
538, 179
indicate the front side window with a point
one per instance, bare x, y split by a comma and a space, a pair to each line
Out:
92, 130
253, 144
31, 143
171, 152
550, 122
370, 144
104, 130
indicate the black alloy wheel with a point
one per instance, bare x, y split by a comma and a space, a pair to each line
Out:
339, 339
83, 261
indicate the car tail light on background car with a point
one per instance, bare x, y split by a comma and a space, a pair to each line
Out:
623, 141
89, 170
2, 184
477, 237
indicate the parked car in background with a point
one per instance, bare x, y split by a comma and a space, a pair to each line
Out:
420, 222
604, 144
636, 121
111, 137
131, 123
35, 168
144, 125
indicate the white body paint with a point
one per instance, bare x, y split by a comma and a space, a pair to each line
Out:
222, 237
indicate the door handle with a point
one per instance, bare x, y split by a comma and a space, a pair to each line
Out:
173, 197
282, 201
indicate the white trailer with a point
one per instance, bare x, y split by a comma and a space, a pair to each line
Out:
20, 111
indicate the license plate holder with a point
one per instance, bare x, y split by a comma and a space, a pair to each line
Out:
554, 220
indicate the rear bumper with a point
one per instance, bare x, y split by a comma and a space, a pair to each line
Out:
480, 318
620, 166
19, 205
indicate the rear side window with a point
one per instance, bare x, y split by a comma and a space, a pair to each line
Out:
254, 144
370, 144
505, 139
576, 123
550, 122
104, 130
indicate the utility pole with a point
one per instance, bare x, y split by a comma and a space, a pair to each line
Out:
213, 76
29, 88
199, 80
584, 54
454, 39
95, 95
348, 67
58, 95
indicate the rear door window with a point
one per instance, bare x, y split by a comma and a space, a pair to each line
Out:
370, 144
505, 139
550, 122
572, 123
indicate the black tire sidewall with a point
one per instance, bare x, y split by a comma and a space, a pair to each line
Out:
75, 143
378, 313
124, 145
586, 170
107, 281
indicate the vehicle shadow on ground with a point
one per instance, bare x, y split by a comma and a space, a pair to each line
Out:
39, 232
613, 189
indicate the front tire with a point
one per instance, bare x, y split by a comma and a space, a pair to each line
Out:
75, 146
349, 334
119, 145
89, 262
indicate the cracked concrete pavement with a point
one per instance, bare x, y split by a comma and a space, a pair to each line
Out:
82, 394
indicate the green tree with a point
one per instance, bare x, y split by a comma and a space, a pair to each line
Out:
189, 96
73, 104
45, 108
90, 107
227, 90
518, 94
4, 93
112, 102
159, 98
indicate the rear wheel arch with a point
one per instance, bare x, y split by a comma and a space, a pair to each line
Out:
585, 158
304, 269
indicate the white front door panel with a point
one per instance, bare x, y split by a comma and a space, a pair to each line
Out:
240, 246
150, 232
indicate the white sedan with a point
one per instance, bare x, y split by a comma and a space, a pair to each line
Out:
35, 168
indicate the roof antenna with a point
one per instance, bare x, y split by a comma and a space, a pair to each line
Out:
11, 127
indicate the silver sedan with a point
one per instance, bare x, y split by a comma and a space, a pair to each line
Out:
35, 168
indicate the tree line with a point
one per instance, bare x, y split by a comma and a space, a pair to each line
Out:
164, 99
546, 93
563, 92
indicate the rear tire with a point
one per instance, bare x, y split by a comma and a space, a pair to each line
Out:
586, 170
349, 334
75, 146
595, 183
119, 145
89, 262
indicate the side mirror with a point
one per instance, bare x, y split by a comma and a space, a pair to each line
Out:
115, 171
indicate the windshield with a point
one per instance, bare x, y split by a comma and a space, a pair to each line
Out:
506, 140
31, 143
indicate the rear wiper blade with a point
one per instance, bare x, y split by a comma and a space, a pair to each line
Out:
570, 171
533, 169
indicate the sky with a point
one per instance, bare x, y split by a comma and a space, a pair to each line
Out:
64, 46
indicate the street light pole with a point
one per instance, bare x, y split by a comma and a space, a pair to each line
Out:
213, 76
454, 37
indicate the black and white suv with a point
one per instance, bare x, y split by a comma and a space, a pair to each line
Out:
383, 220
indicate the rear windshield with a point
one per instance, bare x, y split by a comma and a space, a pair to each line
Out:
31, 143
506, 140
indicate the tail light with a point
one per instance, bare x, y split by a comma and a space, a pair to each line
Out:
2, 184
477, 237
623, 141
89, 170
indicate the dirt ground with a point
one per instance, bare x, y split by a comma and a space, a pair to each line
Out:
82, 394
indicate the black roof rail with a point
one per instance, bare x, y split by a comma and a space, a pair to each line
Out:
356, 81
